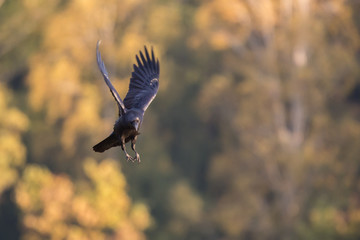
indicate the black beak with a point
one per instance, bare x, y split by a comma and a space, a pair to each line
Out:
135, 124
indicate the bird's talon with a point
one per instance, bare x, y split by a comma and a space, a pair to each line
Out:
138, 158
128, 157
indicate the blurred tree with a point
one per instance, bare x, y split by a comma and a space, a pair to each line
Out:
98, 208
20, 25
13, 123
286, 70
12, 151
256, 137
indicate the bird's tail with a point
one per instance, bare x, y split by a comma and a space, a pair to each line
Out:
109, 142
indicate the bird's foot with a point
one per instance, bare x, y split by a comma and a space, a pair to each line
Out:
129, 158
137, 158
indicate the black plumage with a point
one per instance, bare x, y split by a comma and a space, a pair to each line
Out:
143, 87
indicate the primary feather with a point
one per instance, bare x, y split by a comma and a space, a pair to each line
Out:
144, 82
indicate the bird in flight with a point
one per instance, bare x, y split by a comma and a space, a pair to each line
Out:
144, 84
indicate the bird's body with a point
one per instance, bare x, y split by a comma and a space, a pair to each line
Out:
143, 87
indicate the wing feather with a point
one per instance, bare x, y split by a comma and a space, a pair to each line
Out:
144, 81
144, 62
105, 74
140, 65
153, 58
139, 72
148, 60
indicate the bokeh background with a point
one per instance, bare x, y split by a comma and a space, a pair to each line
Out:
254, 134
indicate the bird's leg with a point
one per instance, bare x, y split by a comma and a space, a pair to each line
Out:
137, 156
128, 157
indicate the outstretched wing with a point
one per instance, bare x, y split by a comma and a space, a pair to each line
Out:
144, 82
105, 74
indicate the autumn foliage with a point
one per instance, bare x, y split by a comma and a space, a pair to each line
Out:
254, 134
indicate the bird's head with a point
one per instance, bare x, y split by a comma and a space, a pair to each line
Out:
134, 119
136, 123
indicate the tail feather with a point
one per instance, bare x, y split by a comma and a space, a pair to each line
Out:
109, 142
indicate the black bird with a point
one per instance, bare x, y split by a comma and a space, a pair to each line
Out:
144, 84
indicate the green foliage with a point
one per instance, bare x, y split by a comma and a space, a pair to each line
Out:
254, 133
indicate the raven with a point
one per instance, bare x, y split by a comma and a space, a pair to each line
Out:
144, 84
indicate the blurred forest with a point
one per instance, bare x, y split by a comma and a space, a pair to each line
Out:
254, 133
